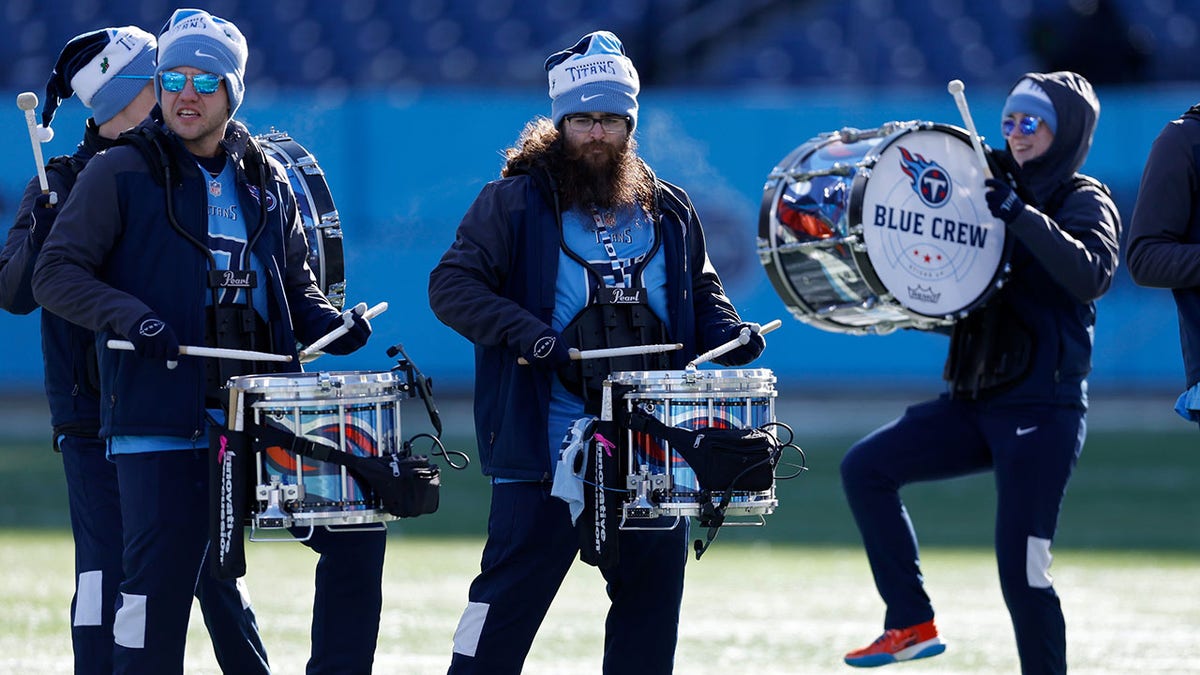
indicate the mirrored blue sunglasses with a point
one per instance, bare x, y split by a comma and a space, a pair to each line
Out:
1028, 125
203, 83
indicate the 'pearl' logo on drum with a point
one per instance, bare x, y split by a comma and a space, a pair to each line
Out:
929, 180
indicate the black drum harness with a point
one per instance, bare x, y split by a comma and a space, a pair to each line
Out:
227, 325
616, 315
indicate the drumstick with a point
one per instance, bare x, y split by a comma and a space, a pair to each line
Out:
742, 338
27, 101
347, 321
955, 87
613, 352
212, 352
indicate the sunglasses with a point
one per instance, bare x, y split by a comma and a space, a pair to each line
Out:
203, 83
1028, 125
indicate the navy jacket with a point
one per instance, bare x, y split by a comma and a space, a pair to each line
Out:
1165, 231
495, 286
114, 255
68, 350
1063, 259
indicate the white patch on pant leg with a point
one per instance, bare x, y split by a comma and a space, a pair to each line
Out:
1037, 562
243, 592
466, 637
129, 628
88, 600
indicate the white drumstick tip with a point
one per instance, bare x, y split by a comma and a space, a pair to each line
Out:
954, 86
27, 100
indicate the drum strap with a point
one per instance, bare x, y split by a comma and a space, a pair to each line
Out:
407, 485
724, 460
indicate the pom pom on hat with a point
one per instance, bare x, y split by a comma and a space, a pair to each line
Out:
106, 69
1028, 97
197, 39
593, 75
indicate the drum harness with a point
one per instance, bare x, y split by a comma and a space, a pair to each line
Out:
617, 315
227, 325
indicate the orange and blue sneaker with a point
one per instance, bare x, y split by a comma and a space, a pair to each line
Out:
899, 644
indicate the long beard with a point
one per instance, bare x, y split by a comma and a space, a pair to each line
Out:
612, 177
599, 174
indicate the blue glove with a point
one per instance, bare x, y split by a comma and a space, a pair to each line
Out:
1003, 201
746, 353
152, 338
42, 217
548, 351
356, 337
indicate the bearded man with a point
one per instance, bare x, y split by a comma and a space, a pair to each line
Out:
578, 245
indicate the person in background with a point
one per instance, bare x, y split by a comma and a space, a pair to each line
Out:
1163, 234
1016, 401
575, 215
187, 233
111, 71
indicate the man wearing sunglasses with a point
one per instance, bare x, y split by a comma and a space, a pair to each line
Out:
576, 221
1016, 400
111, 72
1163, 235
185, 232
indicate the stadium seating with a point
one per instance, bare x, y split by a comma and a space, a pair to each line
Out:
678, 43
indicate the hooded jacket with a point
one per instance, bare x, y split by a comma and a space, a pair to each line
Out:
496, 287
1032, 341
68, 350
1165, 230
113, 256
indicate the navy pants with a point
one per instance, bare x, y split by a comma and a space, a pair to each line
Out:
348, 599
530, 547
1031, 450
164, 506
95, 509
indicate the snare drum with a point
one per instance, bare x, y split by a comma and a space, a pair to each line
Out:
867, 231
660, 482
359, 411
322, 226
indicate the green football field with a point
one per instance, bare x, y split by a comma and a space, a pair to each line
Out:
789, 597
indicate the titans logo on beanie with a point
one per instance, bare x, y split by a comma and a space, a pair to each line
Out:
594, 75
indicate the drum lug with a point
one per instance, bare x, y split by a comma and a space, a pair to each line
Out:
273, 516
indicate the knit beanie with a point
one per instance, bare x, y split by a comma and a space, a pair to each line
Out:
106, 69
594, 75
1029, 98
197, 39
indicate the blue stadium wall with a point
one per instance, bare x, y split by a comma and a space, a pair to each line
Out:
404, 167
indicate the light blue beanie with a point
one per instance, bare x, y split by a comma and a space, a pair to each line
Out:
197, 39
594, 75
1029, 98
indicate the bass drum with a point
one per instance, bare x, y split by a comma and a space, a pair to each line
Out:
322, 227
868, 231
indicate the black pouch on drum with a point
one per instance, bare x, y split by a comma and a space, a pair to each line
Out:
406, 486
723, 459
229, 499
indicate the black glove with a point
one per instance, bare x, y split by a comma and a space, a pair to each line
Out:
152, 338
746, 353
356, 337
548, 351
1003, 201
42, 216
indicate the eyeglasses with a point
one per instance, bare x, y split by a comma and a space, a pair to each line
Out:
585, 123
204, 83
1028, 125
